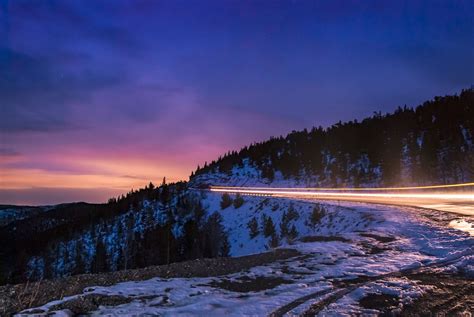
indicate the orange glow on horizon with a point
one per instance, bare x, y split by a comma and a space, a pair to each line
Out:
83, 173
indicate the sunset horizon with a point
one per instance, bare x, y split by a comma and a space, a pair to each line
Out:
46, 187
236, 158
103, 98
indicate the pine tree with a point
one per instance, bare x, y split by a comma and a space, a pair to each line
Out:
292, 213
238, 201
225, 246
253, 227
274, 241
226, 201
292, 234
316, 215
284, 224
79, 266
165, 194
214, 236
269, 227
99, 264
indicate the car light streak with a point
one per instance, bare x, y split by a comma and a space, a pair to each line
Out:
273, 191
454, 198
352, 188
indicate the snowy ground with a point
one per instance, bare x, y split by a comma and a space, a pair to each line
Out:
353, 251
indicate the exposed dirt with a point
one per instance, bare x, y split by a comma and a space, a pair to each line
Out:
455, 298
323, 239
383, 239
317, 307
372, 248
377, 301
452, 296
14, 298
247, 284
91, 302
283, 310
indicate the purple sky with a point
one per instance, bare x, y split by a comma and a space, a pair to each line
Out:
97, 97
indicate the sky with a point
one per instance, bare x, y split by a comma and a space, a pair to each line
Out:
98, 97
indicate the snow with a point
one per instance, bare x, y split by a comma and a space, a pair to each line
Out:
235, 221
248, 174
9, 214
378, 240
404, 289
109, 233
468, 138
419, 140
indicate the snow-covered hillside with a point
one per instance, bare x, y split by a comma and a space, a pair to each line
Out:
9, 214
247, 174
329, 220
346, 253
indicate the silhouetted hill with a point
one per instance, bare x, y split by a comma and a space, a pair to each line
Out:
429, 144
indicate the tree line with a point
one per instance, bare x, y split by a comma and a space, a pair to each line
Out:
429, 144
149, 226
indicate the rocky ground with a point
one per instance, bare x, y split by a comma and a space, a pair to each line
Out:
450, 295
359, 260
445, 295
15, 298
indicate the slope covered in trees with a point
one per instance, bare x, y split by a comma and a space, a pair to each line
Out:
145, 227
430, 144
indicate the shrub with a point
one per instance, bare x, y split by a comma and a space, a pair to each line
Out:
292, 234
316, 215
286, 218
225, 246
284, 224
269, 227
226, 201
292, 213
253, 227
274, 241
215, 239
238, 201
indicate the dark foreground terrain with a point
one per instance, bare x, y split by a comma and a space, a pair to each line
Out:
449, 295
15, 298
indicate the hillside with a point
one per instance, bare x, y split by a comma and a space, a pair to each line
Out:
146, 227
430, 144
174, 223
345, 259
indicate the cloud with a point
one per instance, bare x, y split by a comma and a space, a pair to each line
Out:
37, 94
53, 56
153, 88
65, 22
8, 152
437, 62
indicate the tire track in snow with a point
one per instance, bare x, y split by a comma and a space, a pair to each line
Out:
338, 293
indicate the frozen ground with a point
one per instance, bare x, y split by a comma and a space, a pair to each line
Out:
355, 251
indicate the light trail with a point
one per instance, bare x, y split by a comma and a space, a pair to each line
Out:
437, 196
352, 188
440, 197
